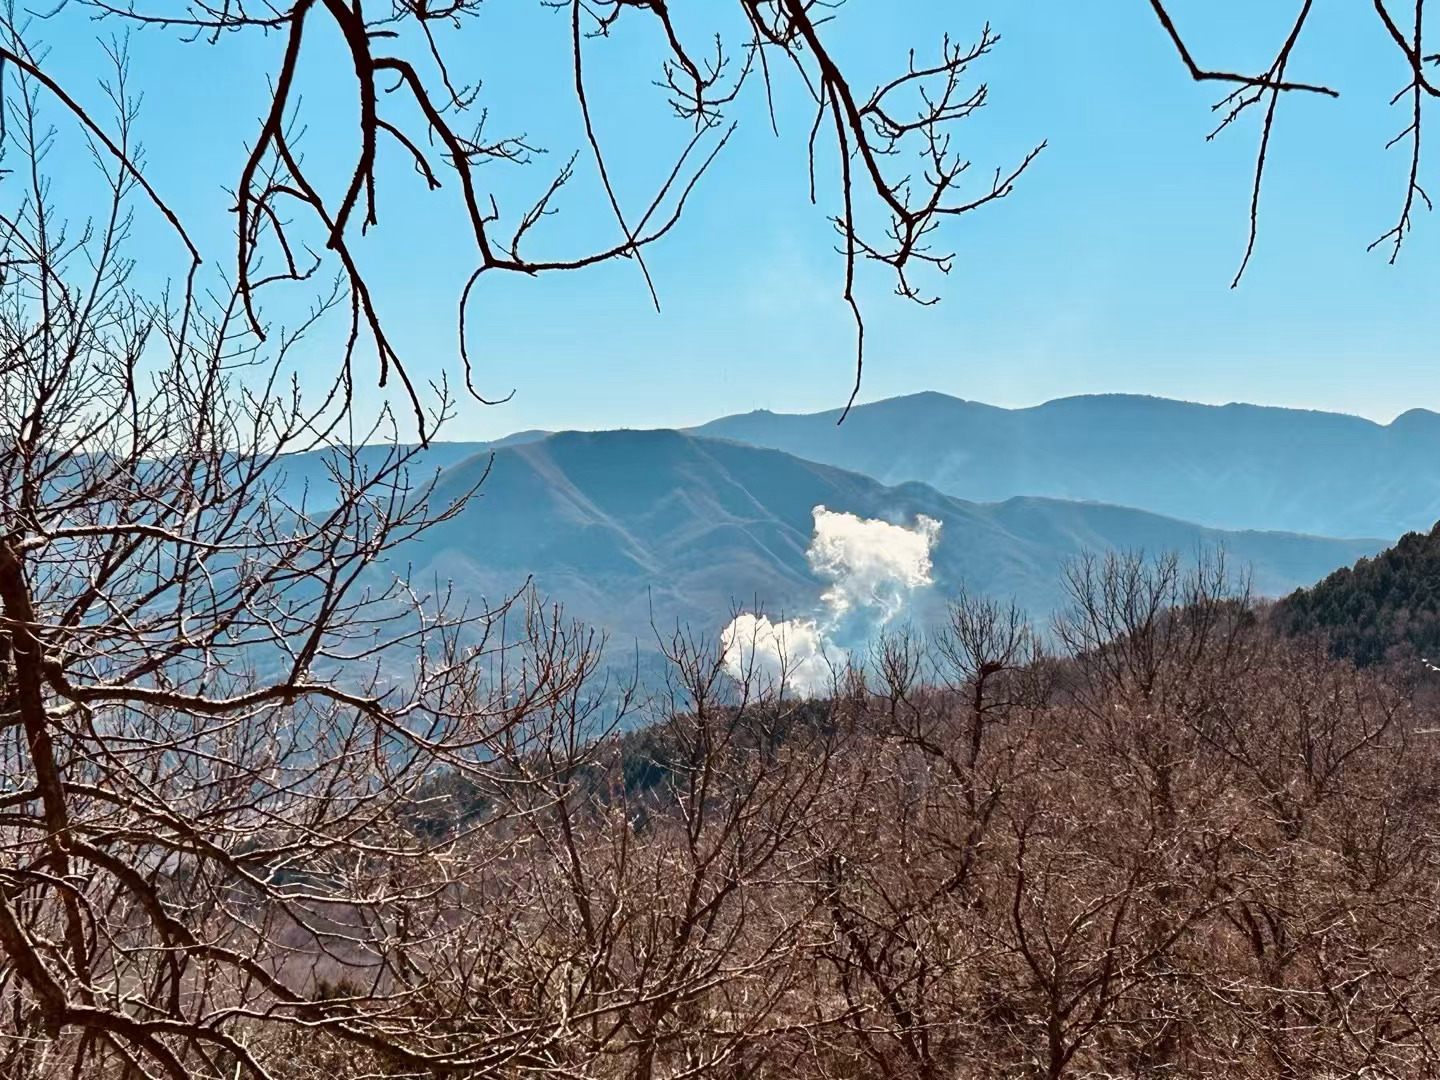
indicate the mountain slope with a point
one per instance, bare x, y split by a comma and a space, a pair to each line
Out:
1379, 607
308, 475
1231, 466
625, 524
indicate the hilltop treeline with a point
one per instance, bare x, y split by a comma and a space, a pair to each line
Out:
1385, 608
1184, 845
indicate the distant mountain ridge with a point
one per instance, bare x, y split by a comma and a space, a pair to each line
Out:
629, 526
1231, 466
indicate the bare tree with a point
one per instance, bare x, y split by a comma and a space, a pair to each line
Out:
892, 150
217, 708
269, 808
900, 174
1403, 26
1179, 859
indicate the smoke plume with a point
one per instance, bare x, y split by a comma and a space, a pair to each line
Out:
872, 567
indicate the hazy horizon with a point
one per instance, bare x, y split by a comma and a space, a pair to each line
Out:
452, 433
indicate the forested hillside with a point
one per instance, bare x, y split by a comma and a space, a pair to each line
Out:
1382, 607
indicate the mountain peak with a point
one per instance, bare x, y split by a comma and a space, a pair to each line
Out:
1415, 419
1232, 466
638, 529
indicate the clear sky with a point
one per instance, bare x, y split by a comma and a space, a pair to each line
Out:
1107, 270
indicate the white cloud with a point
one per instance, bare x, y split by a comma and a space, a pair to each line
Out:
791, 653
872, 566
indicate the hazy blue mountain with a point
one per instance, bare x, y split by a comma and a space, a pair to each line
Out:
1228, 466
310, 474
623, 524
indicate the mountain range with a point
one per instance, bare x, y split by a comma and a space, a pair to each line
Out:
630, 528
1226, 466
635, 527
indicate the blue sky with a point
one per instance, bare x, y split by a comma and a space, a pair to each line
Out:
1108, 269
